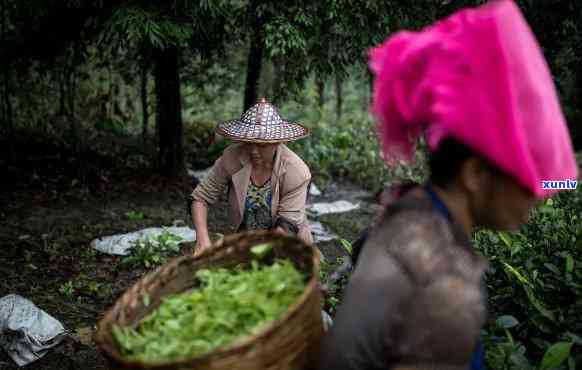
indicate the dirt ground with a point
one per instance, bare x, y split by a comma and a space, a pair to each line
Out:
55, 200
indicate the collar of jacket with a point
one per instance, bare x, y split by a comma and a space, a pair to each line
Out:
241, 179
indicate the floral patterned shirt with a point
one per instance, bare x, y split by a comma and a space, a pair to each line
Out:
257, 213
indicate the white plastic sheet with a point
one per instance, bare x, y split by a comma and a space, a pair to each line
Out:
320, 234
119, 244
327, 321
200, 174
339, 206
27, 332
313, 190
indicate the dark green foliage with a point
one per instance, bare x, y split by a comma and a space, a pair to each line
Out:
334, 276
351, 150
152, 252
112, 125
536, 276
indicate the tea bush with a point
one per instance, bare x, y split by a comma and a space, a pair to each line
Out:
536, 277
153, 251
350, 151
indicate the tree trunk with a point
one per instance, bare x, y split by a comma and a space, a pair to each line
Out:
255, 58
72, 92
320, 91
72, 78
278, 71
144, 100
3, 119
5, 104
169, 111
111, 93
339, 96
62, 81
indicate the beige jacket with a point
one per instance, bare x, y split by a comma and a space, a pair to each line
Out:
290, 180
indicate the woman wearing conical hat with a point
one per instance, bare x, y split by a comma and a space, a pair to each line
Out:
477, 87
266, 181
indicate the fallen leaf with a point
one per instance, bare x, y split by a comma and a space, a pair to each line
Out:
84, 335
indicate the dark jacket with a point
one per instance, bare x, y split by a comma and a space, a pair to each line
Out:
414, 300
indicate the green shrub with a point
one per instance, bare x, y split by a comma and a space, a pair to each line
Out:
350, 149
112, 125
536, 276
153, 251
334, 276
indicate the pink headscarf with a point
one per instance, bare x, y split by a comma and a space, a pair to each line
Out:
478, 76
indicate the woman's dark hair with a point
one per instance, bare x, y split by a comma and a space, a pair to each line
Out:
445, 163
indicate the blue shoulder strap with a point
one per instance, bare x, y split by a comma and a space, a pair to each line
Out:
478, 360
438, 203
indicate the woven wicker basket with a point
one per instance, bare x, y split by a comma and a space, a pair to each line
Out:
290, 343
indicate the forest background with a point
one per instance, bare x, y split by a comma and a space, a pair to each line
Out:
104, 103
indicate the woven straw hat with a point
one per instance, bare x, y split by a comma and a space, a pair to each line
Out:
262, 123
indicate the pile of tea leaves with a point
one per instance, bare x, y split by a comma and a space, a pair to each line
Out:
229, 304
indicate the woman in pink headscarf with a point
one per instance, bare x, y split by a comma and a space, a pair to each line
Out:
477, 87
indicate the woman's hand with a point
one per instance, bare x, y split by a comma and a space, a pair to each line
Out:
199, 218
202, 244
279, 230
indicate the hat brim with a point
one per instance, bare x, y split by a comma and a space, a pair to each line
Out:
241, 131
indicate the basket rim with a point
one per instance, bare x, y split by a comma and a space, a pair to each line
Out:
236, 346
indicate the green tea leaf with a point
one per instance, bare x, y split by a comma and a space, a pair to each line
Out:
538, 305
519, 360
506, 240
228, 304
135, 215
569, 264
346, 245
556, 355
506, 322
517, 274
553, 268
261, 250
